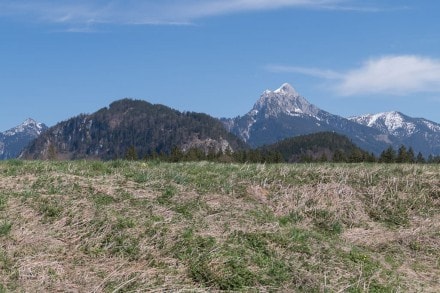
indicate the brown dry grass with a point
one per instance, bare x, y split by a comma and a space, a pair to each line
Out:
144, 227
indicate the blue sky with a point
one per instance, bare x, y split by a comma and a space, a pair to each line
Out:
350, 57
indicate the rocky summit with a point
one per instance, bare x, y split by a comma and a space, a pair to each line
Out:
284, 113
15, 139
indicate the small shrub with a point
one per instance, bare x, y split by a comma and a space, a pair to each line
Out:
103, 199
167, 195
393, 214
326, 222
15, 162
126, 246
291, 218
6, 263
3, 201
98, 167
50, 209
299, 241
124, 223
5, 228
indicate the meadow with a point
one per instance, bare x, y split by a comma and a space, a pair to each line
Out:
122, 226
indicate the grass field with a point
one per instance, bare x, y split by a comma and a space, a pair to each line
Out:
192, 227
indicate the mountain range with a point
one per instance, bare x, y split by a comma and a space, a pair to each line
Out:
15, 139
284, 113
277, 115
421, 134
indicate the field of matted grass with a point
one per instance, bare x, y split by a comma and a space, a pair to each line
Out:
142, 226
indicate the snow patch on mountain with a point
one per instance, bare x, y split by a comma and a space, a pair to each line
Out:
15, 139
284, 113
432, 126
29, 125
284, 100
421, 134
393, 122
286, 89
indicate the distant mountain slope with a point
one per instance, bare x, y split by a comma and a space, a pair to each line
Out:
15, 139
328, 145
284, 113
110, 132
421, 134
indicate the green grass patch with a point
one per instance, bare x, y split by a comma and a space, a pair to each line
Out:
155, 226
5, 228
50, 208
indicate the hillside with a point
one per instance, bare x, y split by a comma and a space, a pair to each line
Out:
323, 145
92, 226
131, 125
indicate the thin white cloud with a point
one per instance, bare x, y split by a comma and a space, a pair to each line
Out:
216, 7
146, 11
393, 75
397, 75
315, 72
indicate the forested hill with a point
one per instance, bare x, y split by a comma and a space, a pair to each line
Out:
131, 125
326, 146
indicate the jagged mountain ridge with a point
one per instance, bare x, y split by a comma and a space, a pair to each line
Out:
284, 113
284, 100
15, 139
110, 132
277, 115
419, 133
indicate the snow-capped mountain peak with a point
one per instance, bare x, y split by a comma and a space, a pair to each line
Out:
284, 113
15, 139
29, 125
284, 100
392, 122
286, 89
422, 134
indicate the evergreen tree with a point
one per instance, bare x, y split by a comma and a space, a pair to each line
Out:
323, 158
388, 155
402, 155
411, 158
176, 155
338, 156
371, 158
131, 154
356, 156
420, 159
434, 159
278, 158
52, 153
212, 154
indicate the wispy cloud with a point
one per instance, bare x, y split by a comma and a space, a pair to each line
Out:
388, 75
196, 9
86, 12
316, 72
394, 75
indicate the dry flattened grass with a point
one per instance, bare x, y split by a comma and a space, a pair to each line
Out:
49, 255
119, 226
419, 244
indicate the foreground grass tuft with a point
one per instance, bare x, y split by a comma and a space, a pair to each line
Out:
135, 226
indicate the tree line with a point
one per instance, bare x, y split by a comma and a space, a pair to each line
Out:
390, 155
404, 155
